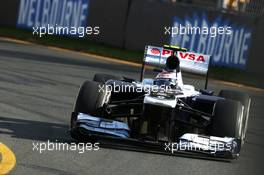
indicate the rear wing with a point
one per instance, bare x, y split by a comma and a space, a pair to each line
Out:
189, 62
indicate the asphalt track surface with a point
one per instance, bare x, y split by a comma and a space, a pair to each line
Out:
38, 87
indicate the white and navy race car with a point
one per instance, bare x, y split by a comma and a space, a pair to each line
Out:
162, 114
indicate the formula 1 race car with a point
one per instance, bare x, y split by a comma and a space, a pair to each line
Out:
162, 114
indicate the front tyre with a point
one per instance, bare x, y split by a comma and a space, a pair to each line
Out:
245, 101
102, 78
90, 98
227, 119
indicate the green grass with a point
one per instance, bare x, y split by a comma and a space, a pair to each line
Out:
78, 44
82, 44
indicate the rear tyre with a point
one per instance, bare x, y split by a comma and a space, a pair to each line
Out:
227, 119
89, 101
102, 78
245, 101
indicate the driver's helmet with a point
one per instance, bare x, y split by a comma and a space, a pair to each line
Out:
166, 78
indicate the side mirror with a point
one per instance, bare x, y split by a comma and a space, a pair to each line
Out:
206, 92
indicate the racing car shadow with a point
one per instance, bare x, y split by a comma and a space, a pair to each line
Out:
34, 130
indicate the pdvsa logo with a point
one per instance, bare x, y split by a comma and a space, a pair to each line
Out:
191, 56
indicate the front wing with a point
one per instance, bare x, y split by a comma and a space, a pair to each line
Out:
116, 134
